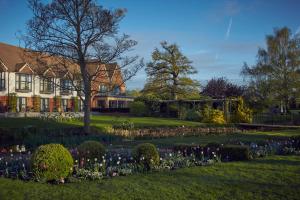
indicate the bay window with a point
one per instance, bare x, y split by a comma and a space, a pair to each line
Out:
23, 82
46, 85
65, 86
2, 81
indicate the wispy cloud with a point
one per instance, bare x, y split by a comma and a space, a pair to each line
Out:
228, 29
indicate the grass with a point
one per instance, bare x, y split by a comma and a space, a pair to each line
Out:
251, 136
276, 177
99, 122
105, 121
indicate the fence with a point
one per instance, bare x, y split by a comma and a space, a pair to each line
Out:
277, 119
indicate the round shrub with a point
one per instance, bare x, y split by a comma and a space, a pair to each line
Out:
51, 162
214, 116
193, 115
138, 108
91, 150
147, 155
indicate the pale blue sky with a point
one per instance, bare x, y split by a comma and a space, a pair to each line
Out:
217, 35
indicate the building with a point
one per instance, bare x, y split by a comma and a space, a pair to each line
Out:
33, 87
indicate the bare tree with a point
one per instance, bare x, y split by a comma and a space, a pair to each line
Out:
80, 33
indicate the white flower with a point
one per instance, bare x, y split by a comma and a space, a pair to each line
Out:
95, 159
118, 162
170, 154
100, 165
88, 160
119, 158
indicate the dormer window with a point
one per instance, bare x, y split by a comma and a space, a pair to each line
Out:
116, 90
65, 86
2, 81
102, 89
46, 85
23, 82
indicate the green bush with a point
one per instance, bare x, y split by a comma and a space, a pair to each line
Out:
235, 152
75, 105
138, 108
175, 111
214, 116
242, 113
147, 155
12, 99
152, 103
91, 150
36, 103
57, 103
51, 162
193, 115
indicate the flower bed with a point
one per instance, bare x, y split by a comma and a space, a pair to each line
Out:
177, 131
15, 163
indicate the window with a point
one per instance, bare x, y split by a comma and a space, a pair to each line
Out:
80, 89
64, 103
2, 80
102, 89
116, 90
46, 85
21, 104
80, 106
65, 86
23, 82
44, 105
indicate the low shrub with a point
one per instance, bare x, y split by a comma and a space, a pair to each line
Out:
214, 116
138, 108
193, 115
242, 113
124, 125
186, 149
91, 150
147, 155
51, 162
234, 153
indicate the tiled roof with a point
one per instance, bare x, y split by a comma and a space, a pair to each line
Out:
14, 58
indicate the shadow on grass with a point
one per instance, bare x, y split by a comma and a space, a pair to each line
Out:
271, 161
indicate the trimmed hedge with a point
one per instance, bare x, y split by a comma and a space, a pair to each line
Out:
138, 108
51, 162
147, 155
91, 150
234, 153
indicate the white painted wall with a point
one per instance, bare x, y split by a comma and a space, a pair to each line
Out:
10, 78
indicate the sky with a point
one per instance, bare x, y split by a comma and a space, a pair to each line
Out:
217, 35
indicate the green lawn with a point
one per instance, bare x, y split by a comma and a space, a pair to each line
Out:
104, 121
250, 136
98, 121
276, 177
